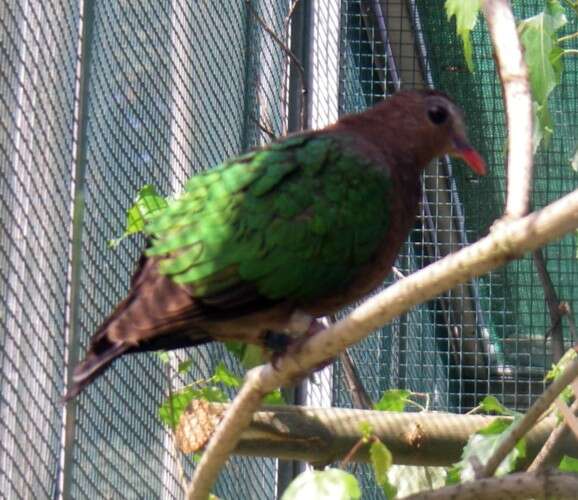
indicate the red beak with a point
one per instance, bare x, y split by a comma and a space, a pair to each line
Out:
467, 153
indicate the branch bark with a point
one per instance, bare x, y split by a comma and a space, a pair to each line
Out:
556, 331
522, 485
508, 241
517, 98
325, 435
552, 451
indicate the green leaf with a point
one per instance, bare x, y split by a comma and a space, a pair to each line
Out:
147, 202
411, 479
185, 366
482, 445
392, 400
248, 354
490, 404
454, 474
163, 356
236, 348
466, 12
381, 461
568, 464
557, 370
223, 375
366, 430
543, 56
213, 394
274, 398
179, 401
330, 484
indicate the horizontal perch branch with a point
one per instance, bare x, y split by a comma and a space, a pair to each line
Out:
325, 435
508, 241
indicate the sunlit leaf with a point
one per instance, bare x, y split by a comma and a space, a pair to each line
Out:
163, 356
557, 369
543, 56
213, 394
366, 430
330, 484
146, 203
381, 461
466, 13
185, 366
569, 464
248, 354
490, 404
482, 445
411, 479
274, 398
223, 375
179, 402
392, 400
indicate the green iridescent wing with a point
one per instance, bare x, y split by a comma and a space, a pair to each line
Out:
295, 220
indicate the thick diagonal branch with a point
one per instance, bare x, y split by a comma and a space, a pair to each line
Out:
517, 98
508, 241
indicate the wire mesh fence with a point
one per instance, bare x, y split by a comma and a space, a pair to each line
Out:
100, 98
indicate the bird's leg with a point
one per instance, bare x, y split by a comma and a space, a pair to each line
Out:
278, 342
282, 343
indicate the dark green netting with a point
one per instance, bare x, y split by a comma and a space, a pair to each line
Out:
489, 337
152, 92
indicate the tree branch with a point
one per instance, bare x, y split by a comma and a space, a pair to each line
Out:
522, 485
289, 53
530, 417
550, 454
556, 332
325, 435
514, 77
508, 241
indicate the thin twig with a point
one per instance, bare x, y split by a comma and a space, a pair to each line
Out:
568, 415
565, 38
567, 312
518, 486
169, 376
286, 66
553, 302
263, 128
529, 419
510, 240
550, 452
294, 59
514, 77
359, 397
347, 458
289, 16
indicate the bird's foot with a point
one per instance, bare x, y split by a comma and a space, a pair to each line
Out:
283, 343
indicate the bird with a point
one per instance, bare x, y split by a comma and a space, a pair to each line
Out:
257, 248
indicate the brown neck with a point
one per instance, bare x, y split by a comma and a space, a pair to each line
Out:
396, 132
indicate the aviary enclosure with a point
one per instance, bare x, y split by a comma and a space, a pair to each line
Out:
99, 99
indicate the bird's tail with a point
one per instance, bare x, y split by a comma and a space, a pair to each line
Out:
98, 359
157, 314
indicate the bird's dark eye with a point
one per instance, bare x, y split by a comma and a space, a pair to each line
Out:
437, 114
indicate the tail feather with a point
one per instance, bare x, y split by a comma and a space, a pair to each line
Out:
157, 314
98, 359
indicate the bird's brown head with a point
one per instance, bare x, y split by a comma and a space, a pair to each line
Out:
417, 126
